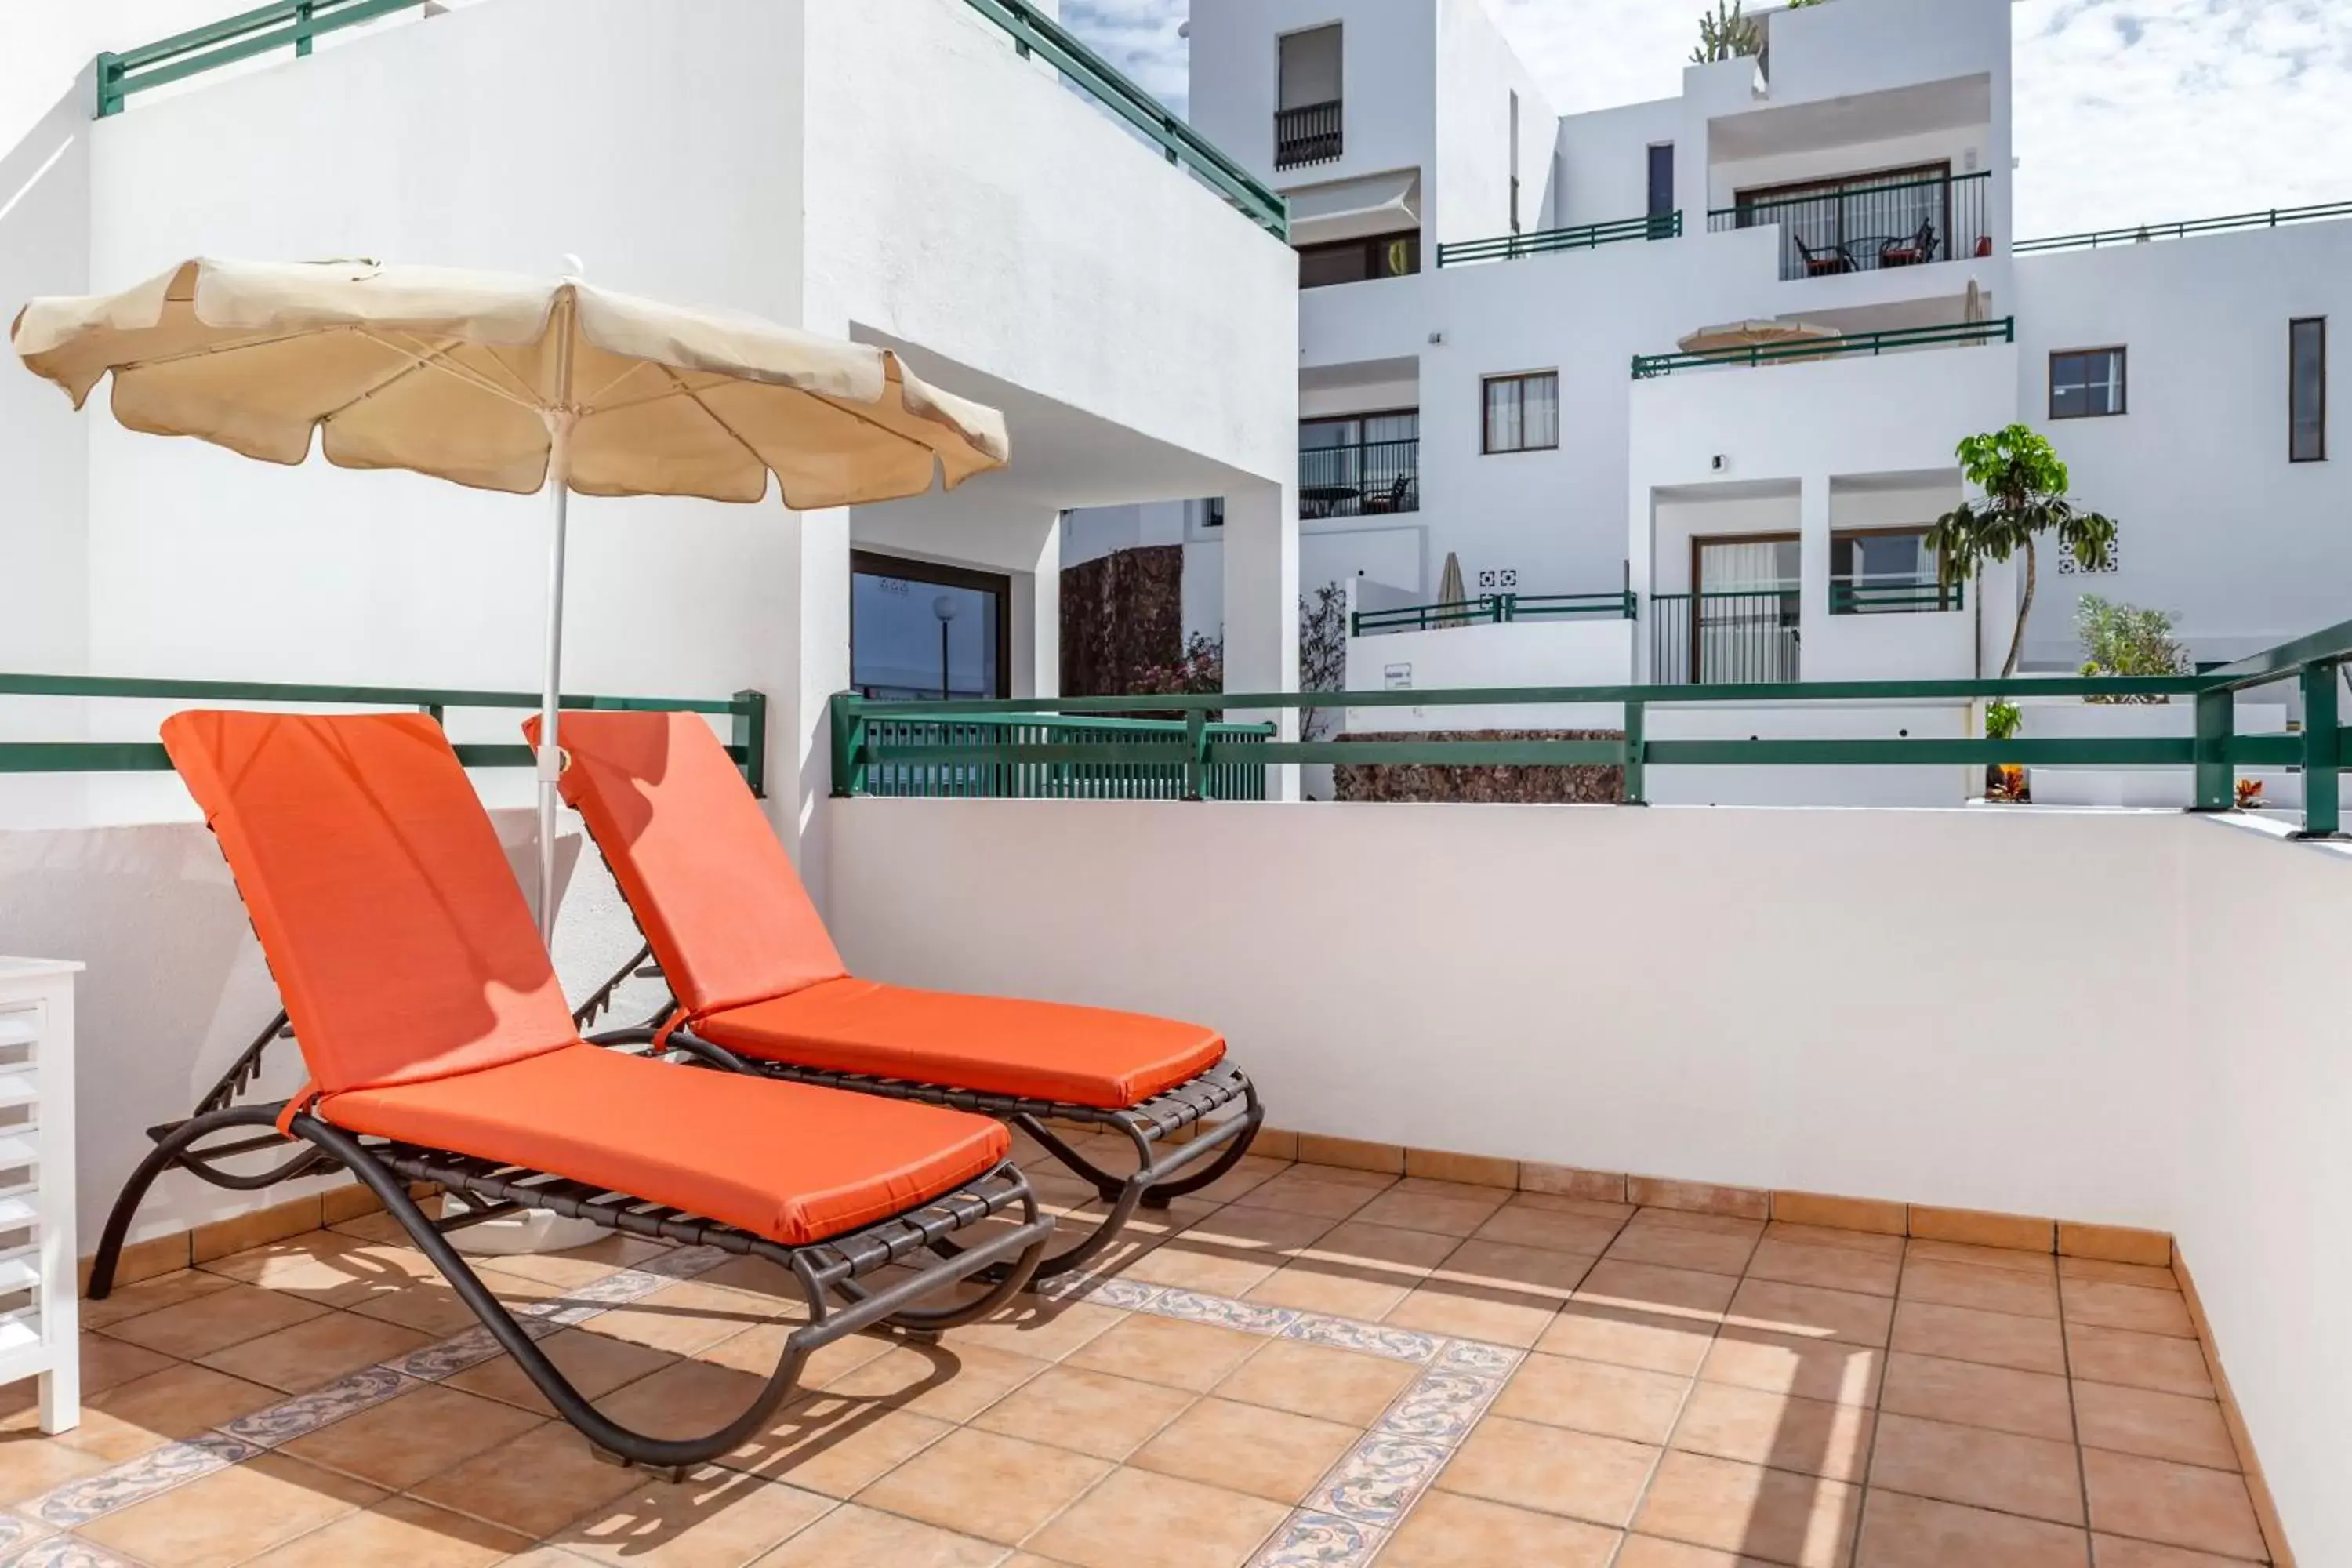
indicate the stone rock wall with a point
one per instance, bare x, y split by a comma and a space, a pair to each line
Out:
1121, 613
1583, 784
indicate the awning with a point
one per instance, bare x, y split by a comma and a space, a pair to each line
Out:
1356, 209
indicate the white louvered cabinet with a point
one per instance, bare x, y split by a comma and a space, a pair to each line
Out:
38, 1311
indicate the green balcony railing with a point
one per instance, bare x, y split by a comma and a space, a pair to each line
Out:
1583, 236
2272, 217
1895, 340
2214, 751
295, 23
746, 710
1493, 610
1907, 596
1046, 757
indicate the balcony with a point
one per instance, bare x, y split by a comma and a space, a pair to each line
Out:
1492, 609
1308, 134
1551, 241
1725, 638
1869, 226
1895, 340
1895, 595
1365, 479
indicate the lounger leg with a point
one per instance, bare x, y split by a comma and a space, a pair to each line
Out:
162, 1157
1251, 1118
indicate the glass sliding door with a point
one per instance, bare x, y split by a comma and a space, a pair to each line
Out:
1744, 608
919, 630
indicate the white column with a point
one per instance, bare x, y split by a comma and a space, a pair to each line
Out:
1261, 617
1812, 561
808, 663
1036, 612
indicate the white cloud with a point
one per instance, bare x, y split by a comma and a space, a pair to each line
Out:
2126, 110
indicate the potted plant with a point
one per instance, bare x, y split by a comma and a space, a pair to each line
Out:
2004, 781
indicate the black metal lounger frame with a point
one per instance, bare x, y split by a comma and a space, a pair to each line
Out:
1154, 1183
486, 1190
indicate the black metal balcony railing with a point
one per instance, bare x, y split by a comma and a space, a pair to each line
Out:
1364, 478
1867, 228
1308, 134
1895, 597
1730, 637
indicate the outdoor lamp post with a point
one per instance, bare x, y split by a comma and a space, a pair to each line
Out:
944, 607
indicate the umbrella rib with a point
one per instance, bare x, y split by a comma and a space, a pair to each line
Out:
437, 359
695, 397
208, 349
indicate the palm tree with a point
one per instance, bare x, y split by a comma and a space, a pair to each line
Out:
2024, 487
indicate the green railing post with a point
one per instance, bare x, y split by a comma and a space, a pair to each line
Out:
302, 28
848, 745
749, 730
2323, 753
109, 85
2216, 720
1196, 754
1634, 790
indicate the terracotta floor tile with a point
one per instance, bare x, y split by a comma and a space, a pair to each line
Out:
2042, 1264
1645, 1287
213, 1321
2156, 1425
1248, 1449
1810, 1436
2137, 1361
178, 1401
436, 1311
1345, 1175
401, 1442
1367, 1292
1970, 1394
312, 1354
837, 1446
684, 1399
578, 1266
714, 1518
2115, 1552
1092, 1412
1680, 1246
757, 1351
1802, 1521
1214, 1270
231, 1514
1864, 1241
854, 1537
1499, 1315
1594, 1396
986, 1485
1316, 1380
1987, 1290
30, 1465
1139, 1520
1527, 1465
595, 1366
1965, 1333
1822, 1370
1252, 1173
150, 1295
400, 1533
1830, 1268
1409, 1209
686, 1318
1699, 1219
1564, 1203
1900, 1532
2178, 1505
535, 1483
1449, 1531
1270, 1235
1808, 1311
1166, 1351
944, 1381
1651, 1552
2137, 1274
1292, 1194
1544, 1272
308, 1266
2001, 1470
2098, 1304
1032, 1327
1593, 1331
109, 1363
1518, 1224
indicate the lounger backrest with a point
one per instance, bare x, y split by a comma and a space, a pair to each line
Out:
711, 885
389, 914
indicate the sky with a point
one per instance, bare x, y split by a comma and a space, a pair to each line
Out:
2127, 111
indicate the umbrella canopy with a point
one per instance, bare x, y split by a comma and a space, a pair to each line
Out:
1748, 334
1450, 590
512, 383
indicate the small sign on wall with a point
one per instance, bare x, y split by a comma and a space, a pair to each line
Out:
1397, 678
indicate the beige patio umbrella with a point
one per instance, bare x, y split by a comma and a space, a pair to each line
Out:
1450, 590
506, 383
1751, 334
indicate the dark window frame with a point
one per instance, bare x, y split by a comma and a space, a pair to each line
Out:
1880, 530
1368, 247
1486, 447
1658, 207
873, 563
2293, 325
1363, 446
2122, 381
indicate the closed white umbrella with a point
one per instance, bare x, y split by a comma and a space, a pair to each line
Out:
513, 383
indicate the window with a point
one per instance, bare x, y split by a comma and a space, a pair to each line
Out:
1523, 412
921, 631
1880, 571
1213, 512
1359, 260
2086, 384
1359, 466
1662, 179
2306, 389
1306, 116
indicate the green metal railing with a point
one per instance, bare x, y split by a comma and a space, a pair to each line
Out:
291, 24
1494, 610
1060, 757
2272, 217
295, 23
1583, 236
1895, 340
2214, 751
1922, 595
746, 738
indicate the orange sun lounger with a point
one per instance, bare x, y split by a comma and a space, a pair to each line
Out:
440, 1049
758, 985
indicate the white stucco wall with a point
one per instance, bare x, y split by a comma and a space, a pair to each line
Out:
1596, 652
1477, 72
1605, 161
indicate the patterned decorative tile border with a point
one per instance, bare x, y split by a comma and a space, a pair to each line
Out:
64, 1551
150, 1475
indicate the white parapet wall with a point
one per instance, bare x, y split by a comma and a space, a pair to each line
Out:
2122, 1017
1586, 651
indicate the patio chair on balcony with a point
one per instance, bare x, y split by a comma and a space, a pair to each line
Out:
1398, 497
1914, 251
440, 1051
758, 986
1821, 261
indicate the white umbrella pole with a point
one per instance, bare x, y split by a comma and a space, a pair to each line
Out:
551, 751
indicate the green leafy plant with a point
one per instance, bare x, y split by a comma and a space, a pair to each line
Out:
1727, 35
2125, 639
2004, 721
2024, 487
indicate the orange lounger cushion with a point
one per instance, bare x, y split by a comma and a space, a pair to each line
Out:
1045, 1050
784, 1160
